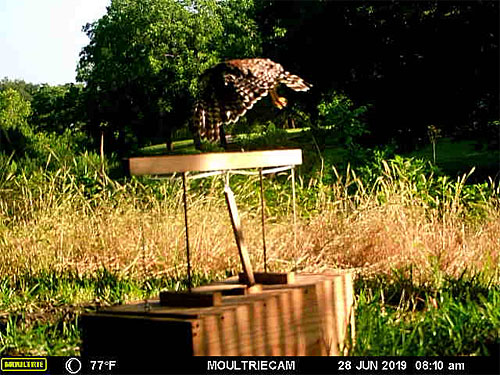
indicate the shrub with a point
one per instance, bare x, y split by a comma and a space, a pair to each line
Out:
271, 137
341, 120
15, 132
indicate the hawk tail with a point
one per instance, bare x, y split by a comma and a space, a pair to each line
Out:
205, 123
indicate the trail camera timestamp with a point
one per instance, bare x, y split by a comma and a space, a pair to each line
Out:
372, 365
409, 365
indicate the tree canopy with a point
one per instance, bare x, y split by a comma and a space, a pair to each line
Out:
416, 63
144, 57
14, 113
57, 108
404, 65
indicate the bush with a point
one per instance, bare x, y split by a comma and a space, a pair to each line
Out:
271, 137
340, 121
15, 132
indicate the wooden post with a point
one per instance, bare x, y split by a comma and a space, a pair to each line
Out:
238, 234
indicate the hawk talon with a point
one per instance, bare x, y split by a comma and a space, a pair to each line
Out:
278, 101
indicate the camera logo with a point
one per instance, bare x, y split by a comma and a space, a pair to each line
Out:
23, 364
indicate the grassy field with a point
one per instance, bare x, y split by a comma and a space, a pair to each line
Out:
454, 157
458, 157
424, 248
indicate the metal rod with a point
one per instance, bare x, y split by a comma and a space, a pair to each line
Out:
277, 169
294, 220
147, 306
184, 196
239, 171
207, 174
264, 171
263, 219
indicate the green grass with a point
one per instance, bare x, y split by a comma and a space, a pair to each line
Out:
394, 314
41, 312
459, 157
186, 146
77, 220
461, 317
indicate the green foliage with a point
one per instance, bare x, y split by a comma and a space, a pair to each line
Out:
377, 56
43, 309
239, 36
26, 89
413, 170
342, 119
208, 146
425, 184
144, 58
33, 149
58, 337
57, 108
14, 110
265, 137
14, 128
47, 152
397, 317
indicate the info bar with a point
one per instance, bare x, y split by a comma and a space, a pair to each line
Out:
251, 365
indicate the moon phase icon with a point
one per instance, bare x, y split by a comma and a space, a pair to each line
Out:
73, 365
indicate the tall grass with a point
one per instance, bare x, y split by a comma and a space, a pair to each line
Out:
65, 222
461, 316
73, 223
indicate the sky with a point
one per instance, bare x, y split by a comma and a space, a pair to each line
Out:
40, 40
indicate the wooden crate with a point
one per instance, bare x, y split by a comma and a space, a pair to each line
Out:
310, 316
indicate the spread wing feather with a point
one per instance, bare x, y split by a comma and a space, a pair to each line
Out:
229, 89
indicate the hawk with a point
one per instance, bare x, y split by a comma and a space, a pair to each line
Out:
230, 88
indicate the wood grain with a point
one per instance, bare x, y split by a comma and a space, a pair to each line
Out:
312, 316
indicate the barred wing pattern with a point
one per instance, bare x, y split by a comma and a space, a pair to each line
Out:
231, 88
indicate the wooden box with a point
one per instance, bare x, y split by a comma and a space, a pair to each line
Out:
312, 314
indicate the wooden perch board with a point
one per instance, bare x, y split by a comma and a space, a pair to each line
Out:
160, 165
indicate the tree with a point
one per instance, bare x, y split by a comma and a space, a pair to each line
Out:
14, 113
415, 63
57, 108
25, 89
144, 57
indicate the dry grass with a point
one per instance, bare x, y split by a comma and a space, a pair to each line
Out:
145, 236
54, 222
387, 237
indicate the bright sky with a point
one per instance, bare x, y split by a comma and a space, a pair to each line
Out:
40, 40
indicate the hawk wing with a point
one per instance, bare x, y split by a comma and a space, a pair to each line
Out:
231, 88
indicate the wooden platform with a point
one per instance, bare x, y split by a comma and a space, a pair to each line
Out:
312, 314
213, 161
